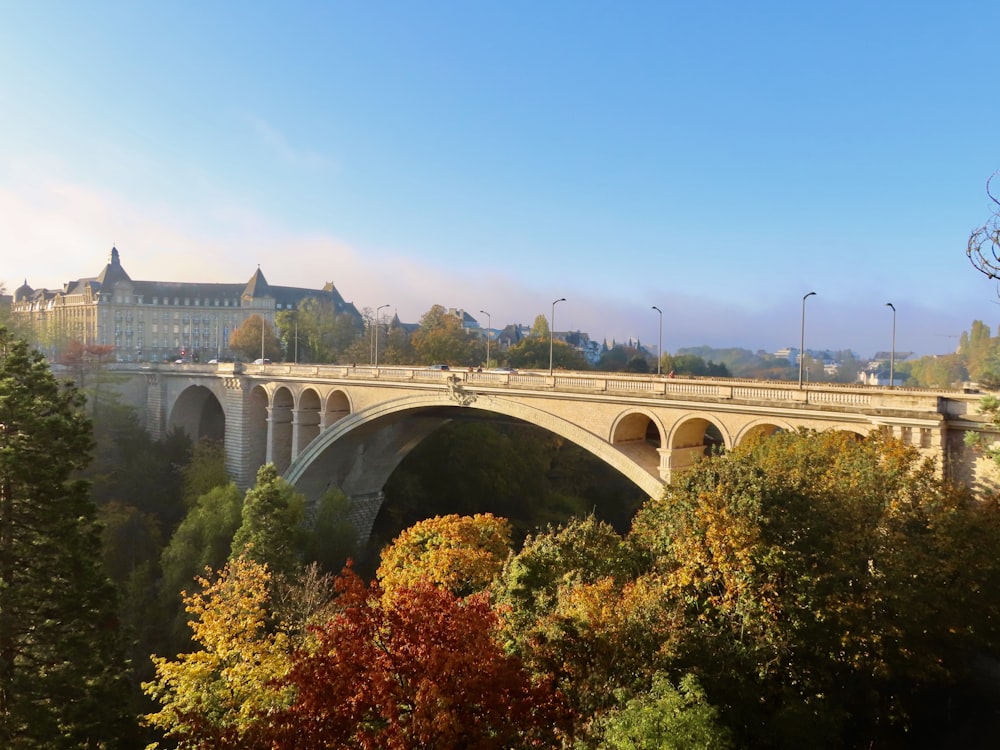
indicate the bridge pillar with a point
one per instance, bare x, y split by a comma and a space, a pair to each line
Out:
677, 459
305, 427
155, 418
242, 441
363, 511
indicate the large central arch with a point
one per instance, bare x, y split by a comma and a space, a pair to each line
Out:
359, 452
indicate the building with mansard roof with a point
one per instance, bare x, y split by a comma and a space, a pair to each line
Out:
156, 320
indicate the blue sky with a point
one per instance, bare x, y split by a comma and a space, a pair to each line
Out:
718, 160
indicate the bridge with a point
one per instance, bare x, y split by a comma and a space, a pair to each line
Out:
341, 426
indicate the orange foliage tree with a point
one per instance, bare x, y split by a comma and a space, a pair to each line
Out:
421, 669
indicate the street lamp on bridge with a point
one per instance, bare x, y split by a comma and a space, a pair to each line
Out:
552, 326
489, 326
659, 346
802, 337
377, 310
892, 351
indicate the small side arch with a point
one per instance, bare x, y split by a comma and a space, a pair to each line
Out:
761, 428
639, 435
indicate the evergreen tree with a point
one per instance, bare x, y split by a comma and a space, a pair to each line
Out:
61, 670
272, 529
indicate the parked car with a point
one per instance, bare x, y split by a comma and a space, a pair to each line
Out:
438, 367
264, 361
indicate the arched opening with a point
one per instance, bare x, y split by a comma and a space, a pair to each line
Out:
760, 431
198, 413
638, 437
338, 406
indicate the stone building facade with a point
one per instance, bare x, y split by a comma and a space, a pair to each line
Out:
155, 321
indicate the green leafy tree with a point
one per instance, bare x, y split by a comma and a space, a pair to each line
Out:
202, 540
540, 328
442, 339
664, 718
532, 353
272, 523
332, 538
943, 371
205, 470
248, 341
61, 659
318, 331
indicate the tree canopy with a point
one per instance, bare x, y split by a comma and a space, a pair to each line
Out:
61, 655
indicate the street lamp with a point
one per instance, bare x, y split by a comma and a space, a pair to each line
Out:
892, 351
552, 325
377, 310
489, 325
802, 338
659, 346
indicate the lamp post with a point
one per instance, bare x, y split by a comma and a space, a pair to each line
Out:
892, 351
489, 326
377, 310
552, 325
802, 337
659, 346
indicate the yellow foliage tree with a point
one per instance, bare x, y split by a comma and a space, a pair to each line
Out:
212, 697
461, 553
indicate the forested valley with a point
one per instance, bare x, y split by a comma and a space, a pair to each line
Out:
806, 590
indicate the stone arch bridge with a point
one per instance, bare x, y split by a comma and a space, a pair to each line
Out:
349, 427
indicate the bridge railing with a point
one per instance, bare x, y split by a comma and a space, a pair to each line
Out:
961, 401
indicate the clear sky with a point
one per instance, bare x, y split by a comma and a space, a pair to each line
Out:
718, 159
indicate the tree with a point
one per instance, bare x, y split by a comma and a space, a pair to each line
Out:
540, 328
249, 342
664, 718
214, 697
271, 529
61, 665
422, 668
461, 553
317, 331
984, 243
442, 339
533, 353
827, 586
202, 540
205, 471
332, 538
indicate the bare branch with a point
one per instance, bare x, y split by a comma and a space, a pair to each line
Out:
984, 243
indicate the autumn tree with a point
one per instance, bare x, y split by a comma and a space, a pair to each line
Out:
420, 669
248, 341
461, 553
214, 697
826, 585
61, 658
442, 339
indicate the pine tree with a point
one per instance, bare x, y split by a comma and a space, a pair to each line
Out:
61, 673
